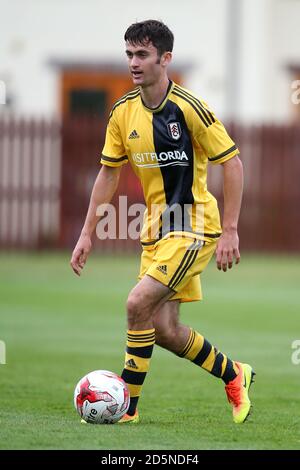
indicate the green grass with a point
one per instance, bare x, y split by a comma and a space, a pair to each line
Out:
58, 327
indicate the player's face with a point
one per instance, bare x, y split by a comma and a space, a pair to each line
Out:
145, 66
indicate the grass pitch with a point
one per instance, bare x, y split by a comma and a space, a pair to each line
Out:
57, 327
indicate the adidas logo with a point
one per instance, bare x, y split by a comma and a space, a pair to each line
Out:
134, 135
163, 269
131, 363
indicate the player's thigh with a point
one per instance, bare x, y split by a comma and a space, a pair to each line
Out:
148, 294
178, 259
176, 262
149, 291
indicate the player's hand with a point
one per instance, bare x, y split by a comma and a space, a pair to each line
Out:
227, 250
80, 253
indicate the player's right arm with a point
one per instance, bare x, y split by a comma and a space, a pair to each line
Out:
104, 188
113, 157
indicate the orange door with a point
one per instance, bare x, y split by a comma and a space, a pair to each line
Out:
94, 91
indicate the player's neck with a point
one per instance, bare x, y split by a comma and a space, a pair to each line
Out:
153, 95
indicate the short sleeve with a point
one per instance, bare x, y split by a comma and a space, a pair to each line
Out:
212, 136
113, 153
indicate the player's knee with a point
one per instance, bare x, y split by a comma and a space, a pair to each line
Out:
132, 306
135, 310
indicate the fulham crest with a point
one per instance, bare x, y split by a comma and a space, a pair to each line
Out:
174, 130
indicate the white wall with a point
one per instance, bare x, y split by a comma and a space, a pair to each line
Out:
286, 49
34, 31
270, 41
254, 59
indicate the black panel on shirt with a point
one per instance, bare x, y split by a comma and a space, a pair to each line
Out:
178, 180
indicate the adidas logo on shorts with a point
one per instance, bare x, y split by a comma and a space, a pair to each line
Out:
163, 269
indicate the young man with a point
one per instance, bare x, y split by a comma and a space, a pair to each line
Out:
169, 135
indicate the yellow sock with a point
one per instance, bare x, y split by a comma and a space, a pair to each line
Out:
139, 349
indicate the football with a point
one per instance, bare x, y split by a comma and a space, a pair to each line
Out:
101, 397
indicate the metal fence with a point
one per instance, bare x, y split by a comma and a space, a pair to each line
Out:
30, 182
270, 216
47, 171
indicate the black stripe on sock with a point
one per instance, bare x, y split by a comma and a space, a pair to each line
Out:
217, 367
203, 354
131, 336
144, 352
132, 377
141, 341
189, 344
229, 373
141, 334
133, 405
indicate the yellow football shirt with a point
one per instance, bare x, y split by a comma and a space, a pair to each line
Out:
169, 148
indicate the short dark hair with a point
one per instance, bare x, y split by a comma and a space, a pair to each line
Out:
151, 30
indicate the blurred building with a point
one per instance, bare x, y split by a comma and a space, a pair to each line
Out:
61, 59
240, 55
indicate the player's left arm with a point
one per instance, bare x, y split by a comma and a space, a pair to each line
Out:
228, 244
220, 149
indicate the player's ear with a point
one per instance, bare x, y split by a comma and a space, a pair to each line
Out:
166, 59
